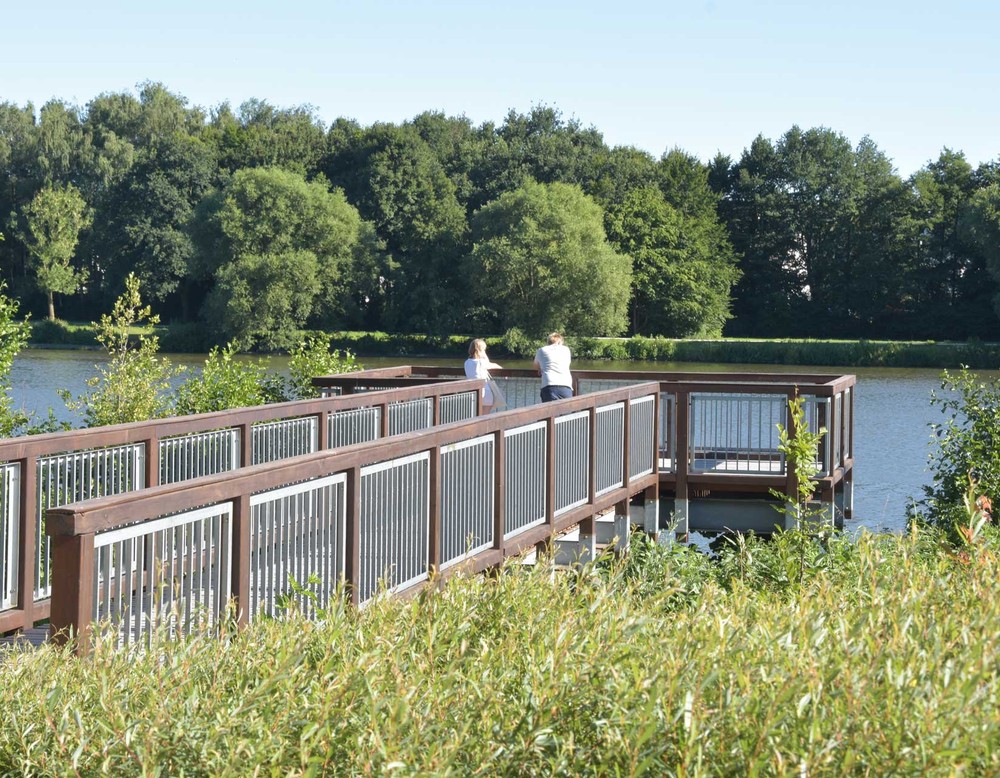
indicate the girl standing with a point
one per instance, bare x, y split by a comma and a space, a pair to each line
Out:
478, 365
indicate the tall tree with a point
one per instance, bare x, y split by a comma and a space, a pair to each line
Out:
141, 222
260, 135
681, 281
270, 224
544, 263
800, 212
18, 184
949, 271
770, 294
979, 227
399, 184
53, 221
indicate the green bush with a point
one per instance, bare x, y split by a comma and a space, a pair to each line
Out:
223, 382
881, 662
966, 445
135, 383
313, 357
61, 333
185, 339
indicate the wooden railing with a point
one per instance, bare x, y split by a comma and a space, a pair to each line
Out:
41, 472
376, 515
718, 431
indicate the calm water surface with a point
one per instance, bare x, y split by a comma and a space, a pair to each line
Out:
892, 415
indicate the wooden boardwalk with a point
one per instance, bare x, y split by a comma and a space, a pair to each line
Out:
403, 478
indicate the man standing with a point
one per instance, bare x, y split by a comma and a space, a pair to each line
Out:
552, 363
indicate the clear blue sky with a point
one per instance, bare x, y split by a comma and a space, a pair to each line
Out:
705, 76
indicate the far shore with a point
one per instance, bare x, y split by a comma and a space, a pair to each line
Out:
186, 338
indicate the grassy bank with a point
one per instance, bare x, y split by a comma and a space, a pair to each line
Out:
846, 353
870, 658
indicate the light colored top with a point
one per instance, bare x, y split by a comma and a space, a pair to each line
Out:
480, 368
553, 362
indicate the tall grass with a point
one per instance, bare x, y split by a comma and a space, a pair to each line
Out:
883, 661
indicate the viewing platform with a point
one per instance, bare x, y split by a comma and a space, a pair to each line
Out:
717, 452
390, 481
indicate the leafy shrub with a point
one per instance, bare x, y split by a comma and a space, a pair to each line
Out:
674, 573
135, 383
57, 332
882, 663
13, 338
516, 343
966, 444
313, 357
223, 382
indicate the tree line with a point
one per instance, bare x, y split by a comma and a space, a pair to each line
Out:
249, 224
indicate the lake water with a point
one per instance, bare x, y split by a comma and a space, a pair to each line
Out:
892, 415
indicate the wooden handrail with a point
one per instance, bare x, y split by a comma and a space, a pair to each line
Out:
817, 384
105, 513
135, 432
74, 527
28, 450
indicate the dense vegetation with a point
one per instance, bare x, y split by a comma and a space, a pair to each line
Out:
874, 657
435, 225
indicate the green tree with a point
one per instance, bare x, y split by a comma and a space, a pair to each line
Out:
14, 334
134, 385
21, 177
950, 272
399, 184
261, 301
979, 227
53, 221
260, 135
680, 285
60, 144
548, 263
802, 212
256, 229
224, 382
141, 222
618, 172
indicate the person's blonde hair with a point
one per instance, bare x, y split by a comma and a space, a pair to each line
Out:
555, 337
476, 346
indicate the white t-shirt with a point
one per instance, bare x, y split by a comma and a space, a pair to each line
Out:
554, 361
480, 368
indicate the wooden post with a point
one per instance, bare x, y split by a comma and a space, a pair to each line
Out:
27, 527
72, 590
682, 461
592, 475
352, 571
241, 559
152, 469
791, 480
384, 413
246, 444
791, 484
323, 430
626, 442
499, 489
550, 472
434, 511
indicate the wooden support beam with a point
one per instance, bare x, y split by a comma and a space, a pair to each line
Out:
73, 590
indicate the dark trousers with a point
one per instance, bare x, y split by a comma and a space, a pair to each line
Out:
550, 393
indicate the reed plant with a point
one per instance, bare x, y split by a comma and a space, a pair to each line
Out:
881, 659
